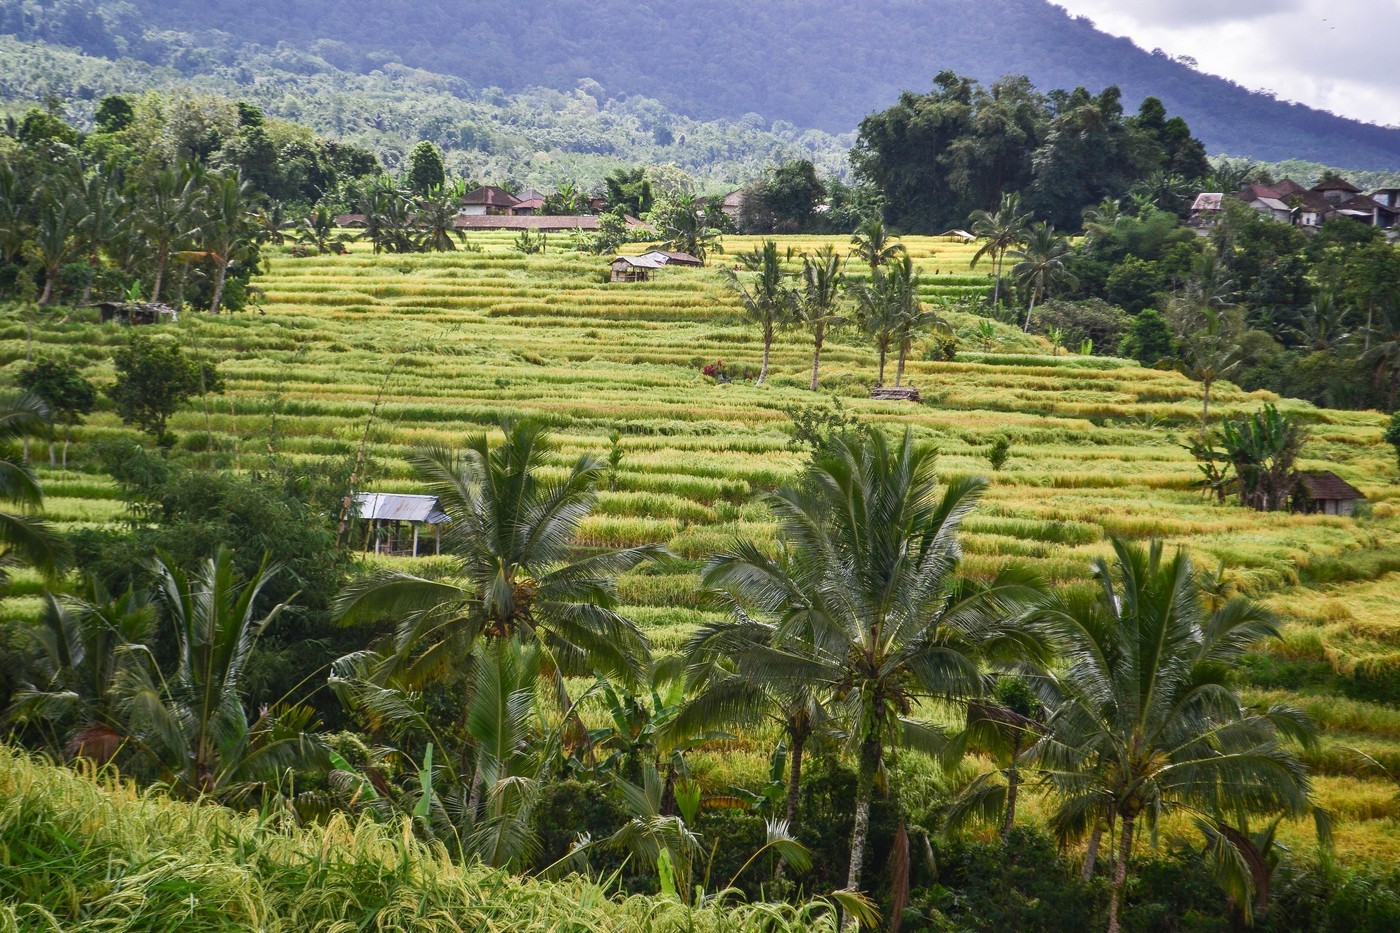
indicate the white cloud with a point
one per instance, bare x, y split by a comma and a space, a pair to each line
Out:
1325, 53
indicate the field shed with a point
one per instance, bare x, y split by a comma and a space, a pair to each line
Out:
1324, 492
135, 312
634, 268
394, 520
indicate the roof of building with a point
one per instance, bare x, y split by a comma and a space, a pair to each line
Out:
534, 222
351, 220
401, 507
491, 196
734, 198
958, 234
1288, 187
1324, 484
1255, 192
1364, 204
1207, 201
1273, 204
529, 204
1335, 183
639, 262
671, 257
1312, 201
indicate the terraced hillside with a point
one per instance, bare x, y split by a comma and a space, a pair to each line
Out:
426, 349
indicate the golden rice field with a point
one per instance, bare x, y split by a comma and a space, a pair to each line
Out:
429, 348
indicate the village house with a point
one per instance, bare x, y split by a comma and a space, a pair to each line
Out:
1287, 201
488, 200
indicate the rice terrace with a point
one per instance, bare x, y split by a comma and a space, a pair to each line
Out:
572, 477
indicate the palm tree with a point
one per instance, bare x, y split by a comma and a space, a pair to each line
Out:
55, 235
686, 230
1002, 231
166, 217
512, 534
14, 203
877, 314
1383, 353
106, 214
191, 727
1144, 719
819, 302
1003, 726
225, 227
866, 604
435, 220
23, 537
387, 221
768, 300
1208, 343
317, 231
82, 650
911, 317
875, 245
1043, 264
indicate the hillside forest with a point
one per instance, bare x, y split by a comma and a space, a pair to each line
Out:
714, 641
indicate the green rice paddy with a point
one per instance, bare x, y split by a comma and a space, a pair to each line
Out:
427, 349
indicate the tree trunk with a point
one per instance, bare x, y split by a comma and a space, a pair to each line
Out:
1030, 309
996, 287
160, 278
865, 789
899, 369
767, 348
1205, 406
794, 790
1013, 785
53, 459
48, 288
816, 363
219, 276
67, 436
884, 351
1091, 854
1120, 874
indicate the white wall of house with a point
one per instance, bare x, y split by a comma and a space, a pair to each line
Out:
472, 210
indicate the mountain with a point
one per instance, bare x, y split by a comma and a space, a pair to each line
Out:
810, 63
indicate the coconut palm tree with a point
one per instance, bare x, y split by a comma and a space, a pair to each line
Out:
875, 245
166, 216
190, 728
1144, 719
766, 298
1001, 231
225, 227
818, 308
317, 231
911, 317
1003, 726
1208, 345
54, 238
877, 314
512, 535
106, 214
435, 220
82, 650
686, 230
864, 603
1042, 264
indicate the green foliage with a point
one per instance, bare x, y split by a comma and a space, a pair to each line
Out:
1148, 339
1392, 434
154, 380
425, 169
816, 427
1263, 448
999, 452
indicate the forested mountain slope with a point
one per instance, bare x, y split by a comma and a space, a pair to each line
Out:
812, 63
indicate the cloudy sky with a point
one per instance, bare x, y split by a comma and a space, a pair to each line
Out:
1340, 55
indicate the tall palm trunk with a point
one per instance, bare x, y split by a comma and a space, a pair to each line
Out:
816, 360
220, 275
884, 351
1013, 787
160, 277
767, 349
1029, 311
996, 286
1091, 854
860, 831
899, 370
794, 788
1120, 874
48, 287
1205, 404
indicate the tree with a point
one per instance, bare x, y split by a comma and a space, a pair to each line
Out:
875, 245
154, 380
1001, 232
54, 238
189, 727
1144, 718
790, 193
819, 302
865, 602
425, 169
166, 217
767, 300
1004, 726
225, 228
684, 226
911, 317
1263, 448
1208, 344
23, 537
317, 231
512, 532
65, 391
1043, 264
114, 114
629, 189
877, 314
435, 221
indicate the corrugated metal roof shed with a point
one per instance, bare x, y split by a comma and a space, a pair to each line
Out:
401, 507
